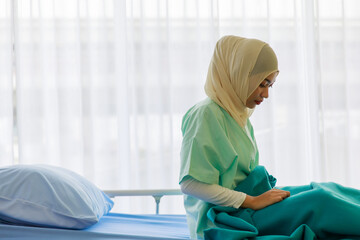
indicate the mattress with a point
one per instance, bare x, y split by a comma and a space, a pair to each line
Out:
110, 226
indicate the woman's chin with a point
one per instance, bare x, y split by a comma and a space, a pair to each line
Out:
251, 106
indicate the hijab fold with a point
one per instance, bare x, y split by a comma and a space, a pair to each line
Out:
237, 68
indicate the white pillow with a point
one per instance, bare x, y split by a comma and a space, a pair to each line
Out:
48, 196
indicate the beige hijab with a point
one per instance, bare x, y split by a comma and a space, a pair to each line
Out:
237, 68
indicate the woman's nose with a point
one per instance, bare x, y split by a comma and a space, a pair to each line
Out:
265, 92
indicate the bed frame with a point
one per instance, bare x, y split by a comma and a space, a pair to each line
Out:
157, 194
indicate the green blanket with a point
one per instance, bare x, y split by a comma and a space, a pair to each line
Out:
315, 211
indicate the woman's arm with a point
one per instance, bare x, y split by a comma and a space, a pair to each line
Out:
222, 196
212, 193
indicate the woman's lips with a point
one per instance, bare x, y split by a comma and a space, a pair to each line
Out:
258, 102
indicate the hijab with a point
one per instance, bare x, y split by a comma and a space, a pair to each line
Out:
237, 68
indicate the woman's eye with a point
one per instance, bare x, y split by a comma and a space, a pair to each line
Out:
264, 85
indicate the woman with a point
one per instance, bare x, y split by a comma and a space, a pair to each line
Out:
219, 154
219, 148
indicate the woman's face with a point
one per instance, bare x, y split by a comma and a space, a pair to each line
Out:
261, 92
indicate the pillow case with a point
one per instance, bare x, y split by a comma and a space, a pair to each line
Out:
48, 196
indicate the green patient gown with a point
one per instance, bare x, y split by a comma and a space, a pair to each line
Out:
215, 150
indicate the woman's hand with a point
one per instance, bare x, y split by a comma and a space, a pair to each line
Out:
266, 199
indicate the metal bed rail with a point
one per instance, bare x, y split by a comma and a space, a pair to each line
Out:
157, 194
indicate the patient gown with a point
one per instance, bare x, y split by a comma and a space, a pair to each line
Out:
215, 150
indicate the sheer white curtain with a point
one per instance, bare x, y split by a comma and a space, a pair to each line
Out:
6, 84
101, 86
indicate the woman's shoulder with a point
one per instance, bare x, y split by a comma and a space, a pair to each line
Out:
204, 108
205, 112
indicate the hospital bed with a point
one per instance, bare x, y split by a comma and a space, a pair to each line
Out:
39, 202
113, 225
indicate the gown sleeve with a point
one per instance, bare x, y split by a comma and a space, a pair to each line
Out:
206, 151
